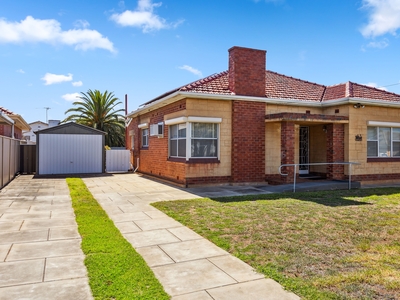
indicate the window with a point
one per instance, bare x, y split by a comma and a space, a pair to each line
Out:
145, 137
177, 140
204, 140
193, 140
132, 142
383, 142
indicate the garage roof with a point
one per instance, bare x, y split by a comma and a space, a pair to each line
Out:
71, 128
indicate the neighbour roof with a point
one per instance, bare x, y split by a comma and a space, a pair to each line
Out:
18, 120
278, 86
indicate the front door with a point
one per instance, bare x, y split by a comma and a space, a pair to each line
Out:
304, 149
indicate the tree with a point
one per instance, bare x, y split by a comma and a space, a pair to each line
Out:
99, 110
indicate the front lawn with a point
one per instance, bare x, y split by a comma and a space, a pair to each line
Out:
320, 245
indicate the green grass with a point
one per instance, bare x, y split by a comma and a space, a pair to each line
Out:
115, 269
320, 245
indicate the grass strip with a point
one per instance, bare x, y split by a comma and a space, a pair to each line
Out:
319, 245
115, 269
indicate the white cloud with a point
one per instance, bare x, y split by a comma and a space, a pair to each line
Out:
71, 97
21, 71
143, 17
375, 85
81, 24
49, 31
54, 78
191, 70
77, 83
384, 17
381, 44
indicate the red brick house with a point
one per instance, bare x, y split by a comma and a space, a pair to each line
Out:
241, 125
11, 124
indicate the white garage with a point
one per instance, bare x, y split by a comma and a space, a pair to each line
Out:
70, 149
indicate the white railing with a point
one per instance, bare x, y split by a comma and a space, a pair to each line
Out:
315, 164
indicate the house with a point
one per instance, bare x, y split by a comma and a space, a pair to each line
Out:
240, 125
11, 124
30, 136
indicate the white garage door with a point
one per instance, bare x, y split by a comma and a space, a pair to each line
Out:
70, 154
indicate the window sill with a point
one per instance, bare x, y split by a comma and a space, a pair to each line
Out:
145, 148
195, 160
383, 159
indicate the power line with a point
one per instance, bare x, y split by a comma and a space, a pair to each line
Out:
388, 85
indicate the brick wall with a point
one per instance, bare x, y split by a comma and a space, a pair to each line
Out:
247, 71
335, 151
248, 141
154, 159
288, 143
5, 130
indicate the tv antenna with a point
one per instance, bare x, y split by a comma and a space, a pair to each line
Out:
47, 109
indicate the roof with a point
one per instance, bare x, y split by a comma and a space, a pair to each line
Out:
18, 120
278, 86
38, 122
70, 128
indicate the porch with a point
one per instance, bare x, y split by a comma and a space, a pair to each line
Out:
315, 141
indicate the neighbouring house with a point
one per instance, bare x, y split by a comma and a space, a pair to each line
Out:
30, 136
239, 126
12, 124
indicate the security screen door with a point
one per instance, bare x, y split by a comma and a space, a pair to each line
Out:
304, 149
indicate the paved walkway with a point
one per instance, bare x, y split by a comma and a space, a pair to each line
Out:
186, 264
40, 255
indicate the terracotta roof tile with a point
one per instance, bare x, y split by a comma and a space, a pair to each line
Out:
280, 86
6, 111
285, 87
367, 92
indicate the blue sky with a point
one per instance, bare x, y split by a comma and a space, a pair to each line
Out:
51, 50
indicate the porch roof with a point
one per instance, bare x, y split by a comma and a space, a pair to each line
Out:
299, 117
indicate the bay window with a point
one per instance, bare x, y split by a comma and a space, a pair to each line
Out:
194, 137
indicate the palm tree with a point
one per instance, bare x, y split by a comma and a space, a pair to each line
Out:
98, 111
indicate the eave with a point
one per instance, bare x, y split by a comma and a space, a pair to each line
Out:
20, 122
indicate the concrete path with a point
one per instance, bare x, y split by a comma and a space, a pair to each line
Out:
186, 264
40, 254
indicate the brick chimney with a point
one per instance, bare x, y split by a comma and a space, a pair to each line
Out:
247, 71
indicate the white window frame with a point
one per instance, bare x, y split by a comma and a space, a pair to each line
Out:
145, 137
383, 125
189, 121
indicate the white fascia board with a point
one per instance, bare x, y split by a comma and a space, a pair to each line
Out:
143, 125
204, 120
383, 124
176, 121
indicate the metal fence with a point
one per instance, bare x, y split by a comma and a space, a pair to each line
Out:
348, 163
9, 159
